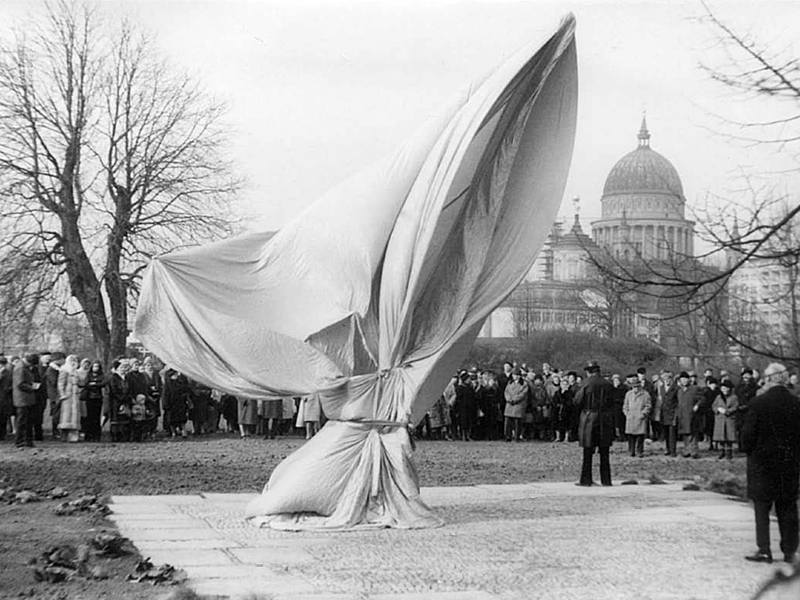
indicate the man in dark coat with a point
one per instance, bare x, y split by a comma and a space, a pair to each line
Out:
771, 439
36, 367
595, 400
668, 393
467, 404
24, 395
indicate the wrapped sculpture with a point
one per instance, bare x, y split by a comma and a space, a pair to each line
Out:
373, 295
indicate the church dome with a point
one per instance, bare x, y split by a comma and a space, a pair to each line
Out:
643, 171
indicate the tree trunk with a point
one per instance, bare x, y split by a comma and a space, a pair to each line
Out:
84, 284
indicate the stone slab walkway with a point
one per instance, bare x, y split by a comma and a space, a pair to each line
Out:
542, 540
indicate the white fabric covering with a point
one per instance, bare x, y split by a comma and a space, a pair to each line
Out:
373, 295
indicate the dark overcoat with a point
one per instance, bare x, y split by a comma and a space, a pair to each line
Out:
669, 404
595, 400
23, 393
771, 439
690, 414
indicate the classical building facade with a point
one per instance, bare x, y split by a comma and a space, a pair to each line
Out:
642, 222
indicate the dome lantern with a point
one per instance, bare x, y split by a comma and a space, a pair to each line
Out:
644, 134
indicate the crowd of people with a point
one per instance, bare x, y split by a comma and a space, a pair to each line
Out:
519, 403
134, 400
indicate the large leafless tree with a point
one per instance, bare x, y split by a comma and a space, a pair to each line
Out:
108, 156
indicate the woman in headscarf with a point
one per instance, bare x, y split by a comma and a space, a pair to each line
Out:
69, 393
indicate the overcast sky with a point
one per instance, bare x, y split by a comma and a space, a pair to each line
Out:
318, 89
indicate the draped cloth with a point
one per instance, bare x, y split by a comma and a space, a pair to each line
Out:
373, 295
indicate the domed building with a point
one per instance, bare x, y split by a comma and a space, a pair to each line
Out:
642, 223
643, 208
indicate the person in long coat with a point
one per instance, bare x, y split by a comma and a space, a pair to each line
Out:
562, 408
247, 416
668, 396
636, 407
23, 394
96, 383
689, 416
449, 396
70, 394
771, 439
725, 408
595, 400
488, 405
516, 395
119, 402
175, 402
466, 406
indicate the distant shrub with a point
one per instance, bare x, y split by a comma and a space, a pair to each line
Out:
570, 351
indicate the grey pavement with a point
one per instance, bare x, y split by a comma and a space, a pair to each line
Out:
539, 540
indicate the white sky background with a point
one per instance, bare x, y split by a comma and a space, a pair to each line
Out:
318, 89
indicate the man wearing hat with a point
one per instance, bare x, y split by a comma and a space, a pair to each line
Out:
771, 439
595, 400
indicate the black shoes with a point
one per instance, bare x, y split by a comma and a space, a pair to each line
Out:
790, 558
761, 557
581, 484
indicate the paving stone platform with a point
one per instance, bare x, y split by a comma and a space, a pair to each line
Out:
542, 540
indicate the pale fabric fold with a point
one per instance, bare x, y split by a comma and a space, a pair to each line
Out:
373, 295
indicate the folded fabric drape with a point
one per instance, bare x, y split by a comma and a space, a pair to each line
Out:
373, 295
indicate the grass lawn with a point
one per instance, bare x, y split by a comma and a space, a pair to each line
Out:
226, 463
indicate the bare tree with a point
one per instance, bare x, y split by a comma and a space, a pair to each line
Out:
109, 156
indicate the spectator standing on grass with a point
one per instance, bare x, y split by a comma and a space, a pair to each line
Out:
175, 403
230, 412
467, 406
6, 396
710, 394
24, 396
689, 415
41, 397
771, 439
562, 409
595, 400
96, 385
200, 395
439, 419
516, 398
247, 416
69, 392
153, 387
502, 382
540, 405
668, 396
489, 406
620, 390
450, 397
725, 407
50, 385
119, 402
637, 405
309, 415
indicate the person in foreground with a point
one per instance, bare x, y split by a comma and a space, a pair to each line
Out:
595, 400
771, 439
